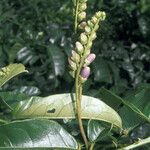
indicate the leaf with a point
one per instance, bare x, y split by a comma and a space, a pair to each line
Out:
94, 130
102, 72
137, 102
27, 56
13, 97
33, 133
136, 107
29, 90
10, 71
57, 60
60, 107
110, 98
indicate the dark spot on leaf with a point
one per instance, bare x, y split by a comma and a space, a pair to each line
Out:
51, 110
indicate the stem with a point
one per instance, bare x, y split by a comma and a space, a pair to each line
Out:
78, 87
3, 121
92, 146
76, 16
78, 91
139, 143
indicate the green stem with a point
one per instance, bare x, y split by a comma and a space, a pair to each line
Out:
78, 91
138, 144
3, 121
78, 94
76, 16
92, 146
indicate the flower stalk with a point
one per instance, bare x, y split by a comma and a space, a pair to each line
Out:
82, 57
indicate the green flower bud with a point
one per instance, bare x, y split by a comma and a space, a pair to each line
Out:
96, 27
101, 15
72, 73
83, 1
81, 16
82, 25
75, 57
82, 7
94, 20
90, 24
87, 52
93, 36
72, 64
83, 38
79, 47
89, 45
87, 30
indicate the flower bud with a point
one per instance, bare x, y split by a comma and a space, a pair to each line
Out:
101, 15
72, 64
94, 20
93, 36
90, 58
81, 16
82, 7
89, 45
83, 1
87, 52
72, 73
85, 72
82, 25
96, 27
75, 57
90, 24
79, 47
87, 30
83, 38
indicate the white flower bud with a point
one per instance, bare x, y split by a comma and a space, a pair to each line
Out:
94, 20
81, 16
79, 47
87, 30
82, 7
83, 38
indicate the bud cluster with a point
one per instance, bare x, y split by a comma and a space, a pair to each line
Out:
82, 53
82, 6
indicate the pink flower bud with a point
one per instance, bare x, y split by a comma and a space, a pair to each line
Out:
90, 58
85, 72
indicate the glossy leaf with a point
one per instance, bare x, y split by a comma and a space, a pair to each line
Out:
8, 72
60, 106
94, 130
136, 107
57, 60
31, 134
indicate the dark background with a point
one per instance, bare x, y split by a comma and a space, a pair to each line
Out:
38, 34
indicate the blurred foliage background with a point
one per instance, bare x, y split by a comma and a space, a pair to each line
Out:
38, 33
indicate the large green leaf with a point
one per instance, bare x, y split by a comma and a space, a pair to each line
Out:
60, 106
36, 133
8, 72
136, 107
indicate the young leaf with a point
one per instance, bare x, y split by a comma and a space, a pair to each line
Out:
60, 106
10, 71
35, 133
